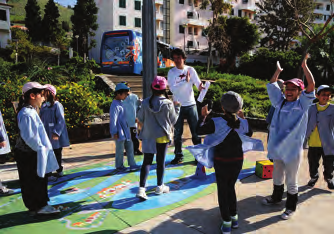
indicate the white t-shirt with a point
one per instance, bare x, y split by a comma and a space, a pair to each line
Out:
181, 89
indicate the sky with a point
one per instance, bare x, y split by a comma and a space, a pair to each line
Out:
66, 2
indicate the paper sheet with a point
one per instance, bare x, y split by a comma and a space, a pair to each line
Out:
203, 92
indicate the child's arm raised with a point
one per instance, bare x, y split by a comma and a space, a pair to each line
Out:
277, 73
309, 77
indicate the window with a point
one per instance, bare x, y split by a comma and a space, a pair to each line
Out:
232, 11
138, 22
198, 44
240, 13
328, 7
181, 29
3, 15
190, 2
190, 30
203, 33
190, 14
122, 20
122, 3
195, 31
181, 1
190, 44
137, 5
244, 1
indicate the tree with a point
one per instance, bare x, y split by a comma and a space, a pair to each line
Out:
33, 20
65, 26
217, 7
277, 23
84, 24
234, 36
51, 26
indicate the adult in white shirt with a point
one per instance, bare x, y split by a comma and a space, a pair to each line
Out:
181, 80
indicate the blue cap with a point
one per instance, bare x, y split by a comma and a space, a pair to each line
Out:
120, 86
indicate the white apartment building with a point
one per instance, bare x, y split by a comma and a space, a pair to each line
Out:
244, 8
5, 33
323, 11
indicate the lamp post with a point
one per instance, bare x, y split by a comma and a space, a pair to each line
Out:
77, 37
184, 36
16, 50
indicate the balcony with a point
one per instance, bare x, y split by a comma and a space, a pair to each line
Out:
159, 16
4, 25
160, 32
319, 11
159, 2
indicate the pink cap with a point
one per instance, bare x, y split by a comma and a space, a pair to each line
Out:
159, 83
51, 88
32, 85
297, 82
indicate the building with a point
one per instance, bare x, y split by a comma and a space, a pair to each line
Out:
5, 33
244, 8
322, 11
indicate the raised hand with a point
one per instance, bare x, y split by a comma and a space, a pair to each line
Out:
278, 65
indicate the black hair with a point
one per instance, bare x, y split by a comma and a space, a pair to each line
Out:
49, 97
232, 120
121, 91
178, 51
157, 93
25, 98
326, 90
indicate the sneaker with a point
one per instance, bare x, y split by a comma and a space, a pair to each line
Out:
176, 161
52, 179
287, 214
330, 183
161, 189
226, 227
135, 168
312, 181
138, 152
61, 174
235, 223
6, 191
269, 201
48, 210
121, 169
142, 194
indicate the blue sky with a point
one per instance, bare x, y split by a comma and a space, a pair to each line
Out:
66, 2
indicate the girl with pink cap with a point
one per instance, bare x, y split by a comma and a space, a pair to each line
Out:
158, 116
53, 118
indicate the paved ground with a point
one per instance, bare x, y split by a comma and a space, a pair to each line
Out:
315, 211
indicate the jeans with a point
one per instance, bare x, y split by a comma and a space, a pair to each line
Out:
148, 159
314, 155
226, 176
189, 113
128, 145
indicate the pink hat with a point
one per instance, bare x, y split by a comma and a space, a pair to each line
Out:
32, 85
297, 82
159, 83
51, 88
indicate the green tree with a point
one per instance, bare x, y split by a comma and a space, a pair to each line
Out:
33, 20
217, 7
84, 24
277, 21
65, 26
51, 26
24, 46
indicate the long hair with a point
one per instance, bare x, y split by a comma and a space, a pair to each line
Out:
157, 93
232, 120
50, 97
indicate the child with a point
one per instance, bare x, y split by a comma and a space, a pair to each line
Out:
157, 115
320, 135
287, 134
52, 116
120, 131
224, 148
33, 152
4, 149
131, 105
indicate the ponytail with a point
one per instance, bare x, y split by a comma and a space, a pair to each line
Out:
232, 120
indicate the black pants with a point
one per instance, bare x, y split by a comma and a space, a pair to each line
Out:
58, 153
34, 189
148, 159
314, 155
134, 139
226, 176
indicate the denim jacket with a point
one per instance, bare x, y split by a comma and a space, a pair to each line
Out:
118, 124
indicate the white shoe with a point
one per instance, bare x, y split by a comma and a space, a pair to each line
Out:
6, 191
287, 214
52, 179
141, 193
162, 189
47, 210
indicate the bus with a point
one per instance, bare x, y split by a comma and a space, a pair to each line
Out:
121, 53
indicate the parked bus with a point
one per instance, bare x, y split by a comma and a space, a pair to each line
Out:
121, 53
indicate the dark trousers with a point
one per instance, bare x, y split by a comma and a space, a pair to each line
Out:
58, 153
34, 189
226, 176
148, 159
190, 114
314, 155
134, 139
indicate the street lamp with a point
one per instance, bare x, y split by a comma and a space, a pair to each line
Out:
16, 51
184, 36
77, 36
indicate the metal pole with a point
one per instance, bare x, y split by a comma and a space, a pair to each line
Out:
77, 46
149, 46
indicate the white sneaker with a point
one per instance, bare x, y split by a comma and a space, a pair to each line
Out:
6, 191
47, 210
162, 189
52, 179
287, 214
141, 193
